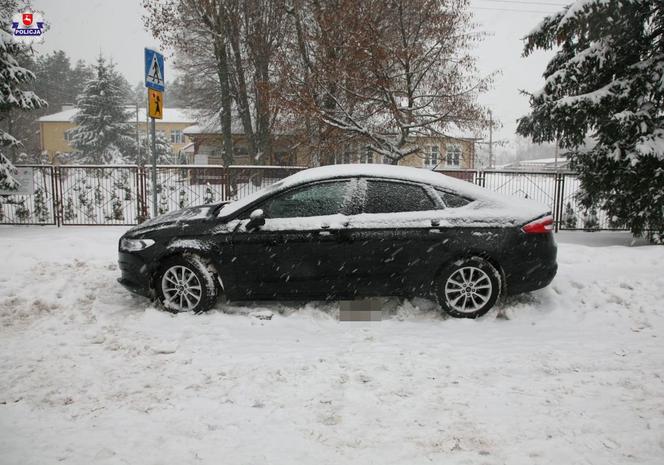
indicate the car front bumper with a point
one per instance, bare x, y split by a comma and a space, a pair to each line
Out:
136, 276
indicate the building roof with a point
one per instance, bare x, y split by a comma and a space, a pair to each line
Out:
544, 161
171, 115
213, 126
538, 164
189, 148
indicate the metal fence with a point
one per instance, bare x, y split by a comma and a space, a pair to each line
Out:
558, 190
121, 194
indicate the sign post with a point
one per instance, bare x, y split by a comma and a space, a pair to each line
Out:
155, 82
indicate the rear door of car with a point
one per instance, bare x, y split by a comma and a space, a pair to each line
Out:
397, 241
300, 251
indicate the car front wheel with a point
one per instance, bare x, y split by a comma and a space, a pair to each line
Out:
184, 284
468, 288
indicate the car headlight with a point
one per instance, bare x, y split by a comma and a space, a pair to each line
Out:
134, 245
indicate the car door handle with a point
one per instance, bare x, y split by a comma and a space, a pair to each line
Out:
434, 231
324, 233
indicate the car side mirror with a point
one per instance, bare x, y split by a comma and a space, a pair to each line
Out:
256, 220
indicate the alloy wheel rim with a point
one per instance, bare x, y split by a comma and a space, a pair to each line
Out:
182, 289
468, 289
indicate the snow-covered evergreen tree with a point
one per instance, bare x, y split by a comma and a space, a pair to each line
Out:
117, 212
102, 129
569, 217
590, 220
605, 81
41, 208
7, 173
163, 204
99, 195
209, 194
69, 214
13, 95
183, 199
36, 158
22, 212
164, 150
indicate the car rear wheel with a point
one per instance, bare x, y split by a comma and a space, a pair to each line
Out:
184, 284
468, 288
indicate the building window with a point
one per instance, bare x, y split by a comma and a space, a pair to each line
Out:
453, 155
176, 136
69, 135
367, 156
432, 156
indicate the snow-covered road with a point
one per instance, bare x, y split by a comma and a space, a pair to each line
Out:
91, 374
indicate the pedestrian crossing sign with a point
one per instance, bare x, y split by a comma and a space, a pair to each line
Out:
154, 70
156, 104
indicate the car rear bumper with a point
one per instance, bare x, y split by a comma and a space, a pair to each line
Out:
536, 276
532, 265
135, 276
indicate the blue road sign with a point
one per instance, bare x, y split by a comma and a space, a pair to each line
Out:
154, 70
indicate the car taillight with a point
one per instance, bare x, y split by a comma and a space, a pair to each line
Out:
539, 226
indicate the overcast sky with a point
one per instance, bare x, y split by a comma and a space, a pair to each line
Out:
83, 28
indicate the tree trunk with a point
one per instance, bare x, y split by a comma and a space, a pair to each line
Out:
310, 131
225, 114
264, 145
240, 88
226, 103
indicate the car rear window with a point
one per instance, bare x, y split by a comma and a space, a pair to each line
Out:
393, 197
452, 200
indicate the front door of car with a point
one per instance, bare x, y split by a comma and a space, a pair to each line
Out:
301, 249
396, 241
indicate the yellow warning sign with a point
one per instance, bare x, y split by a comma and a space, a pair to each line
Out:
156, 104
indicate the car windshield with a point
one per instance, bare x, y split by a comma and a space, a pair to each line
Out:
237, 205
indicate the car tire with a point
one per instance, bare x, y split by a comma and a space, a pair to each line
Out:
184, 284
468, 288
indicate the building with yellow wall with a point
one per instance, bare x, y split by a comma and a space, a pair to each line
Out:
55, 129
433, 152
436, 152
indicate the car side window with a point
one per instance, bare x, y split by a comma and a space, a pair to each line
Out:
393, 197
321, 199
452, 200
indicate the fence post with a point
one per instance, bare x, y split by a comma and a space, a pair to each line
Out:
54, 197
140, 195
558, 199
562, 195
144, 187
481, 178
58, 201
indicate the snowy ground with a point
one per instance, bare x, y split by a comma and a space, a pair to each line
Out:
91, 374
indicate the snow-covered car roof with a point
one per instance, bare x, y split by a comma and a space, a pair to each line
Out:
404, 173
523, 208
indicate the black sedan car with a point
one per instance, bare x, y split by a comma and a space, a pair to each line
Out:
346, 232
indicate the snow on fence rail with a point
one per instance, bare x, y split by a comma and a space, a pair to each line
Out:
121, 194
